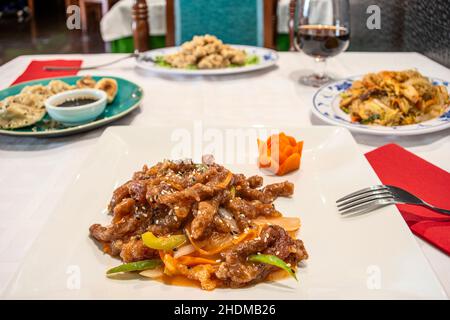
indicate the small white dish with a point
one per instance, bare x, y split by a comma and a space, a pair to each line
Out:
76, 115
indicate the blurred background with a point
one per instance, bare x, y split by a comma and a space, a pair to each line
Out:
39, 26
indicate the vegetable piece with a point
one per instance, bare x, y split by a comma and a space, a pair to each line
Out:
280, 154
152, 273
251, 59
170, 263
272, 260
290, 164
233, 191
192, 261
287, 223
228, 218
251, 233
184, 250
226, 181
135, 266
163, 243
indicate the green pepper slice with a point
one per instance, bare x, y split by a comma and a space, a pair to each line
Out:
136, 266
163, 243
233, 192
272, 260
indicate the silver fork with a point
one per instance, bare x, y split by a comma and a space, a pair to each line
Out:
369, 199
138, 56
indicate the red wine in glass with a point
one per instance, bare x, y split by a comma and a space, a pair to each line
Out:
321, 41
323, 32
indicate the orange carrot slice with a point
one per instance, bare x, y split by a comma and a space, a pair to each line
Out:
280, 154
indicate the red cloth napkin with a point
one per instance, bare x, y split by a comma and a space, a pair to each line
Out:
396, 166
35, 70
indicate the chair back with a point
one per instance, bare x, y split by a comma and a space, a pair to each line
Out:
248, 22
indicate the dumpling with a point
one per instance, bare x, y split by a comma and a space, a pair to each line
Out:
109, 86
86, 82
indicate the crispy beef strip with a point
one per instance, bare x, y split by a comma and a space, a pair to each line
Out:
255, 182
135, 250
115, 231
281, 189
118, 195
196, 193
203, 273
204, 217
269, 193
123, 209
137, 190
236, 271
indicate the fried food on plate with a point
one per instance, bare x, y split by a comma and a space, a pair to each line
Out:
21, 111
57, 86
206, 52
109, 86
86, 82
200, 222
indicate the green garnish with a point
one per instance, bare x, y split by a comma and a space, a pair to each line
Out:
272, 260
201, 167
159, 61
136, 266
233, 192
163, 243
371, 119
249, 60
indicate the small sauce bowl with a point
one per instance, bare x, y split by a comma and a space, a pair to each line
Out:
59, 109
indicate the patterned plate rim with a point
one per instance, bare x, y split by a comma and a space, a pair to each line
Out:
378, 130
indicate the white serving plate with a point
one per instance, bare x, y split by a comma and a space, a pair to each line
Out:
326, 107
373, 256
267, 58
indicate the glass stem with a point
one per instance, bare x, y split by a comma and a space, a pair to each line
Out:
321, 64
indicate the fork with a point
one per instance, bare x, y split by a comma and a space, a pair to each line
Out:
369, 199
138, 56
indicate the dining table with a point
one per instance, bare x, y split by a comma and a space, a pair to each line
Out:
34, 172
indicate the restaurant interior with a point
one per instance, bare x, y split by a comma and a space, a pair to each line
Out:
227, 149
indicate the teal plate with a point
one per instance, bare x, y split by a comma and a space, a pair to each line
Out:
128, 98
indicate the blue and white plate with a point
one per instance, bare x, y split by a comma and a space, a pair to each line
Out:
326, 107
266, 59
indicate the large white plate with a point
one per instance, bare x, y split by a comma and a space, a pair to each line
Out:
326, 107
267, 58
370, 256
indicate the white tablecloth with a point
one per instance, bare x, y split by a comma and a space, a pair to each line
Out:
116, 24
34, 172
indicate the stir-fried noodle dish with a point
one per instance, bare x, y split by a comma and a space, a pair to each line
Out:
391, 98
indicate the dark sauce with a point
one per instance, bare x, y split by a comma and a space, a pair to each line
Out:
323, 41
77, 102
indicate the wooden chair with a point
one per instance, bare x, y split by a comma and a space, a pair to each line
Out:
104, 5
215, 14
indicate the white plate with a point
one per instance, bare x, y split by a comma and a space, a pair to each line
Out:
326, 107
370, 256
267, 58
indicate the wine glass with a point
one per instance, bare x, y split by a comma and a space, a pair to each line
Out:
323, 32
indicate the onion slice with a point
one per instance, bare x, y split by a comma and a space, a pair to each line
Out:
228, 218
184, 250
152, 273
